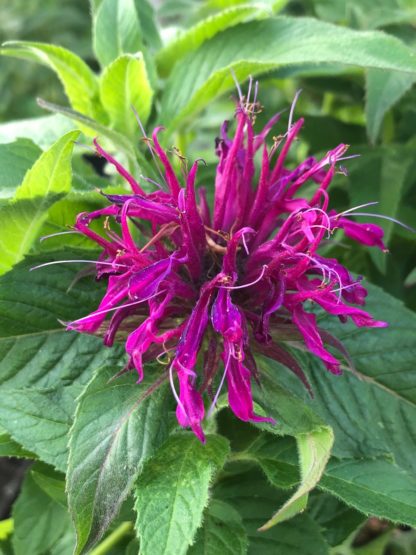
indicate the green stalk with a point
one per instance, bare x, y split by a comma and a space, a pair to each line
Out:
111, 540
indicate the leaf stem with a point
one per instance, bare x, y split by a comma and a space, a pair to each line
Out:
111, 540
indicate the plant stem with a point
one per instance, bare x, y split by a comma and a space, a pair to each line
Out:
111, 540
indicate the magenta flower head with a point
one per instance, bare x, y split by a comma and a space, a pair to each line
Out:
204, 287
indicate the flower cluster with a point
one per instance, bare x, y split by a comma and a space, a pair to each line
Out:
205, 286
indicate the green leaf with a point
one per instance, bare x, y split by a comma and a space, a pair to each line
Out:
43, 131
222, 532
205, 74
125, 84
172, 492
383, 90
115, 430
374, 487
15, 159
190, 39
39, 522
411, 278
50, 481
37, 352
255, 500
292, 416
118, 140
9, 448
116, 30
44, 183
6, 528
78, 80
337, 520
39, 421
372, 409
314, 450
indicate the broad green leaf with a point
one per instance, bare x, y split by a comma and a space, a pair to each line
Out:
125, 84
190, 39
314, 450
43, 184
37, 352
222, 532
43, 131
255, 500
372, 409
15, 159
38, 419
172, 492
205, 74
78, 80
116, 30
116, 428
38, 520
374, 487
383, 90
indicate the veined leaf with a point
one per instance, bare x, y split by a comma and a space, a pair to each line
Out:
125, 84
115, 430
190, 39
9, 448
78, 80
42, 366
44, 184
205, 74
383, 90
375, 487
38, 520
172, 492
116, 30
314, 450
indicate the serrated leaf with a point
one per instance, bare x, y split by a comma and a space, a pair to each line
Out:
383, 90
43, 184
125, 84
116, 30
9, 448
281, 41
190, 39
37, 352
374, 487
172, 492
115, 430
314, 450
38, 520
372, 409
78, 80
15, 159
222, 532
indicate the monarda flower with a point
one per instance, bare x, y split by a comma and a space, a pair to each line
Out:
205, 287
